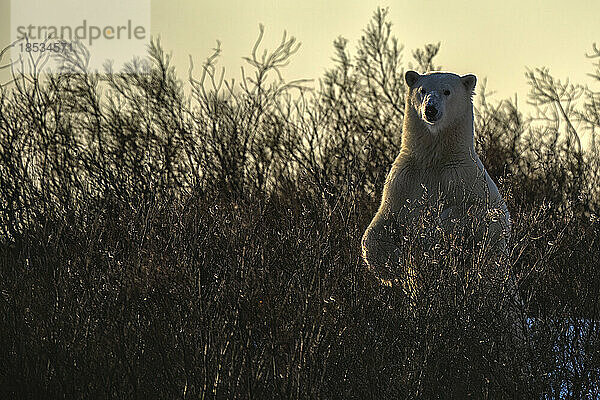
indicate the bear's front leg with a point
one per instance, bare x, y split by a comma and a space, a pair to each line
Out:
380, 248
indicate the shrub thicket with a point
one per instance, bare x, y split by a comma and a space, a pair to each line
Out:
161, 244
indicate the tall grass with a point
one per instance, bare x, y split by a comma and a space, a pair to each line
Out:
162, 244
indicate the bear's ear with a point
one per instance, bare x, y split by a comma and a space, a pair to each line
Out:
469, 81
411, 78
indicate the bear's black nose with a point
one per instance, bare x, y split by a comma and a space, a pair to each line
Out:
431, 113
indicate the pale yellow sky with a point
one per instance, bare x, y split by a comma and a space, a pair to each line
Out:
493, 39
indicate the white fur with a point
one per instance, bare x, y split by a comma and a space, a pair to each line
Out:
437, 157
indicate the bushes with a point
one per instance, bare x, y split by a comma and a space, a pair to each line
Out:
161, 244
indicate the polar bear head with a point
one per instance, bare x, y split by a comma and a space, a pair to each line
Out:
440, 99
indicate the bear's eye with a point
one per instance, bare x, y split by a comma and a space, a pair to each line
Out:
446, 92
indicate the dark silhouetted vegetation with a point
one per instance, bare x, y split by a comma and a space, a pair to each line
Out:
157, 242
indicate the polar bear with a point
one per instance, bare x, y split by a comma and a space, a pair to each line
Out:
437, 159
